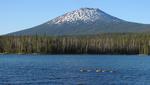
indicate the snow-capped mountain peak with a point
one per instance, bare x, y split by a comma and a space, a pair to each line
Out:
84, 14
84, 21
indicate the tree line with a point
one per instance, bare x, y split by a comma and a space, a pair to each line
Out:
107, 43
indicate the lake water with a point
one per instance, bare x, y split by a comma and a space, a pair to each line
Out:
74, 70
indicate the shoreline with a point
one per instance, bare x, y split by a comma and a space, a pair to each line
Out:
66, 54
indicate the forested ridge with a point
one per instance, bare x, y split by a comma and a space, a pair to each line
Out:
108, 43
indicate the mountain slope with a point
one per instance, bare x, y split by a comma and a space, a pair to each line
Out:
84, 21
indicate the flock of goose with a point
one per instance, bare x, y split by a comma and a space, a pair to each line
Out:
97, 70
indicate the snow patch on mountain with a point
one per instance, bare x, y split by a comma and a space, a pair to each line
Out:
85, 15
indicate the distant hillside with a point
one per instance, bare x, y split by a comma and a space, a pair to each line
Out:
83, 22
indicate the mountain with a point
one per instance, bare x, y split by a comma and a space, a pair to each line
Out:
84, 21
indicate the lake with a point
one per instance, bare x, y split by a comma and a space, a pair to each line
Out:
74, 70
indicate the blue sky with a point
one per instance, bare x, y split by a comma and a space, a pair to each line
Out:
21, 14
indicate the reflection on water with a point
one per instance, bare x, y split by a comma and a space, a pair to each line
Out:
74, 70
